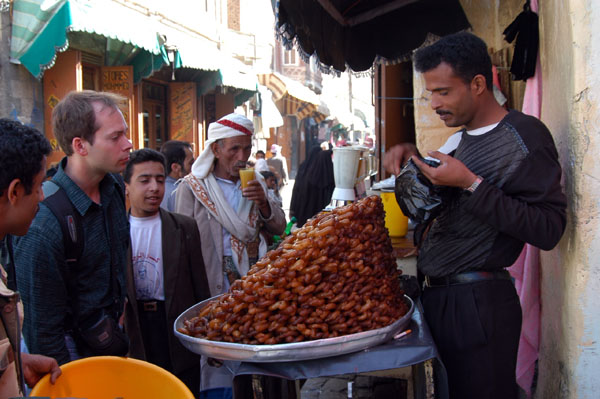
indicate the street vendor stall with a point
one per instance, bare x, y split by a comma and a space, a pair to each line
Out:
415, 349
327, 301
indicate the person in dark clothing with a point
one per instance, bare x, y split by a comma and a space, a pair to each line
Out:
503, 172
23, 152
313, 186
73, 308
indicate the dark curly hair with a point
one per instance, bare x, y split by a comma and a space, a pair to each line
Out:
174, 152
140, 156
466, 53
22, 149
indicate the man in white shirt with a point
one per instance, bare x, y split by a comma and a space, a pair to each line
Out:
166, 274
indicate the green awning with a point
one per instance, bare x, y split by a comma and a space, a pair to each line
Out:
42, 27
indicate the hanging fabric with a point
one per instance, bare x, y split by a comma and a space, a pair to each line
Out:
525, 29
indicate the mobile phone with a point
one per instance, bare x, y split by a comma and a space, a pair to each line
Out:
433, 162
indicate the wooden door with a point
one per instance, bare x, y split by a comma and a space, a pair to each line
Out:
154, 115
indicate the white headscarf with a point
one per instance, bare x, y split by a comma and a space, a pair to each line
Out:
231, 125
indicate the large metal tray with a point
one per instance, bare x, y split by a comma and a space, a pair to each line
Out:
288, 352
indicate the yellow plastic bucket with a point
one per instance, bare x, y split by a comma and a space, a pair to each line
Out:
103, 377
395, 221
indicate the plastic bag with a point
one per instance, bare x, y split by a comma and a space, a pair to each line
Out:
416, 195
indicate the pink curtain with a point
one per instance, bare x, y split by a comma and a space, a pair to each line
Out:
526, 270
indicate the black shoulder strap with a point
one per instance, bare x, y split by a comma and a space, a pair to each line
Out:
71, 225
68, 218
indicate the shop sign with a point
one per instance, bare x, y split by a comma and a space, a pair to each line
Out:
119, 80
182, 111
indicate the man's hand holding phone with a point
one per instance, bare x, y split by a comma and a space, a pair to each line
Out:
449, 172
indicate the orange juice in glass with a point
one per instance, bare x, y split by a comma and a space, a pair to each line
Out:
246, 175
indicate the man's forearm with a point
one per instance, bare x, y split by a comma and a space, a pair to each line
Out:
276, 222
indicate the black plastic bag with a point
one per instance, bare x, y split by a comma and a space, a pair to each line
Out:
416, 195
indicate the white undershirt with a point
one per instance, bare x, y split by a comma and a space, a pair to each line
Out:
452, 143
147, 257
233, 194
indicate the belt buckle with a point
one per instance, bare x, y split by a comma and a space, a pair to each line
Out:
150, 306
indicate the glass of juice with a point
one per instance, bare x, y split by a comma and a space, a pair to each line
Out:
246, 175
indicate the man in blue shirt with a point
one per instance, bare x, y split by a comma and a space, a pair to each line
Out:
67, 304
180, 158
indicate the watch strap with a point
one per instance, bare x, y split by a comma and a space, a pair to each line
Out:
475, 184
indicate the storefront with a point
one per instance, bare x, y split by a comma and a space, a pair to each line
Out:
301, 110
175, 82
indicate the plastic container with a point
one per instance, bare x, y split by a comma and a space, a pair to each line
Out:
103, 377
395, 221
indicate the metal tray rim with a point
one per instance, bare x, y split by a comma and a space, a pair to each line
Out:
282, 352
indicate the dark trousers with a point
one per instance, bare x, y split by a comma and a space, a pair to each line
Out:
476, 328
155, 335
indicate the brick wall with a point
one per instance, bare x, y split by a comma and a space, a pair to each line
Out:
233, 14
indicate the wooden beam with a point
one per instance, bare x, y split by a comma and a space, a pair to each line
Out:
331, 10
374, 13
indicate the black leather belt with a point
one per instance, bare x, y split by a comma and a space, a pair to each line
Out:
150, 306
466, 277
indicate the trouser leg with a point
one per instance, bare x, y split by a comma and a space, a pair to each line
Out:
476, 328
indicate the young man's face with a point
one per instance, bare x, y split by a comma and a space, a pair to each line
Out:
27, 205
146, 188
271, 183
187, 162
451, 97
232, 154
110, 151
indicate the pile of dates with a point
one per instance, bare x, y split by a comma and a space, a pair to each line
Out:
334, 276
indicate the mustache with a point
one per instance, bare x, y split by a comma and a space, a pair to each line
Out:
443, 112
240, 164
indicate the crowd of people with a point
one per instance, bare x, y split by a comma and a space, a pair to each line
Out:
96, 278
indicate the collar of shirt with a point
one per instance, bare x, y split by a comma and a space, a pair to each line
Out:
482, 130
80, 200
232, 191
147, 219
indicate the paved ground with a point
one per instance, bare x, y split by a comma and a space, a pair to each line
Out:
286, 195
354, 386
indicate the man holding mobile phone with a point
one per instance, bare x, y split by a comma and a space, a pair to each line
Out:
504, 166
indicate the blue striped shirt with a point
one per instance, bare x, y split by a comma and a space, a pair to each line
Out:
41, 268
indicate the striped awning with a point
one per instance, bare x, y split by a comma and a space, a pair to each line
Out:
40, 28
295, 99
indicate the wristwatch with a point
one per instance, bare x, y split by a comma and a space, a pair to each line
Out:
475, 184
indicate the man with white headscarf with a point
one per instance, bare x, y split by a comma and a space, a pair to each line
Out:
229, 218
